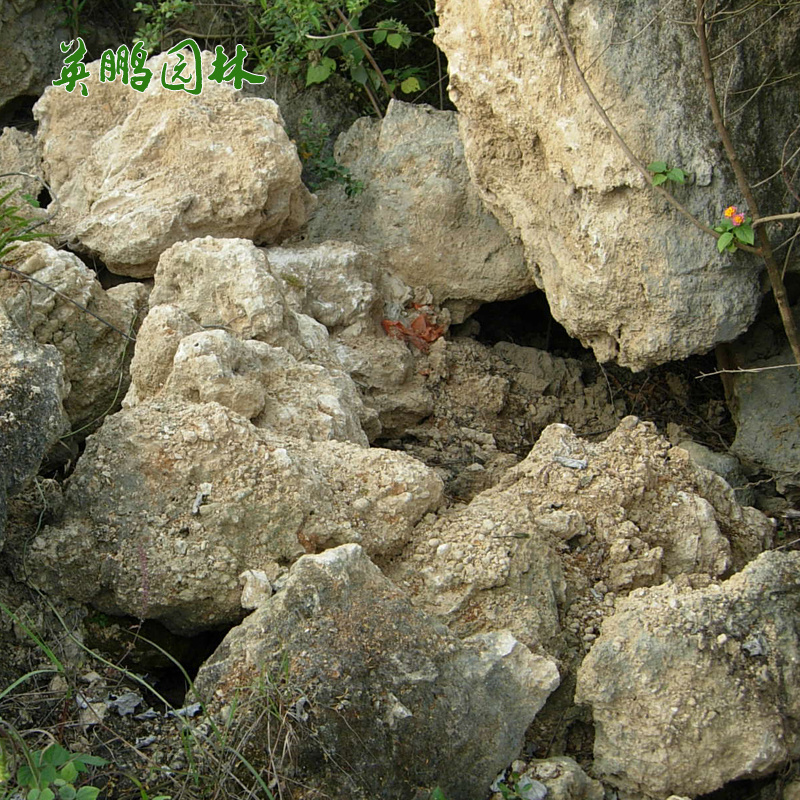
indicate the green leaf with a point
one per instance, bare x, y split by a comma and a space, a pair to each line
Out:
320, 72
659, 178
724, 241
94, 761
47, 794
48, 774
87, 793
359, 74
67, 792
394, 40
437, 794
379, 35
677, 175
745, 234
657, 166
25, 776
56, 755
410, 85
68, 772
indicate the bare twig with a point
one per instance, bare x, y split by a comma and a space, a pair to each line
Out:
774, 217
778, 289
743, 369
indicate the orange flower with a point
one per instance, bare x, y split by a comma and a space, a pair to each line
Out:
737, 220
730, 211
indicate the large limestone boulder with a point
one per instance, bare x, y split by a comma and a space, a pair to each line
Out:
419, 211
627, 512
32, 390
623, 272
172, 501
96, 344
391, 701
18, 153
692, 689
161, 166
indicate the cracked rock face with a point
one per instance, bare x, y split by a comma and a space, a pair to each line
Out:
623, 272
393, 696
222, 497
161, 166
692, 689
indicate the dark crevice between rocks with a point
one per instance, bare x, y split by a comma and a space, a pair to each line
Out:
753, 789
18, 113
153, 653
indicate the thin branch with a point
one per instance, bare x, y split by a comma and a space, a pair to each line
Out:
743, 369
565, 41
774, 217
778, 289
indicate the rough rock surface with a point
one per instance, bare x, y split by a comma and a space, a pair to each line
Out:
563, 779
551, 172
222, 497
18, 153
691, 689
32, 389
419, 211
766, 407
96, 356
630, 511
30, 32
162, 166
393, 700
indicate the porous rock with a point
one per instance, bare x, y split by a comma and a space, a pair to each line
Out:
96, 352
564, 779
553, 174
161, 166
18, 153
692, 689
393, 697
32, 391
635, 511
419, 211
222, 497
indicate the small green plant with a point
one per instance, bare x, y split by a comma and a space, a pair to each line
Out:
157, 19
663, 173
15, 226
319, 165
734, 227
53, 772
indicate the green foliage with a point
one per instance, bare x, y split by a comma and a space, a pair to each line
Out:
15, 226
361, 40
53, 772
735, 227
319, 165
663, 173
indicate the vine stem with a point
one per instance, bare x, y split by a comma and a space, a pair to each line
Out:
773, 270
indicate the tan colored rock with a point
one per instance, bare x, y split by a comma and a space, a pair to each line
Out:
96, 352
634, 510
18, 153
222, 497
693, 689
623, 272
419, 211
136, 172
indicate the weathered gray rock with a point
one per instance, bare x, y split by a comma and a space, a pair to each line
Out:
30, 32
692, 689
394, 698
622, 271
162, 166
18, 153
564, 779
96, 352
640, 510
766, 407
419, 212
222, 497
32, 390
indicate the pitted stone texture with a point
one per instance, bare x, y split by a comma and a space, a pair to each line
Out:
263, 383
32, 390
161, 166
635, 511
222, 497
394, 696
692, 689
552, 173
95, 355
419, 211
18, 153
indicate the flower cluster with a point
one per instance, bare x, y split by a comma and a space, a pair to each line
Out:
734, 215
